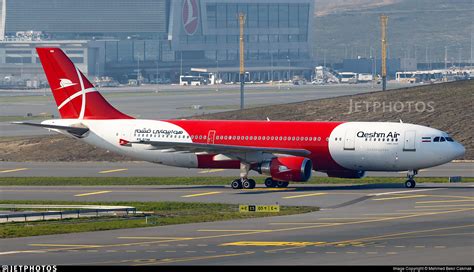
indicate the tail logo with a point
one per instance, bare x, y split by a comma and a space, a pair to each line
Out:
190, 16
64, 83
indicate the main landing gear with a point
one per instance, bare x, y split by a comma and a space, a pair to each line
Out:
270, 183
243, 182
410, 183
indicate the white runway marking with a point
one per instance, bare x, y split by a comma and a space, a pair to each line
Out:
404, 192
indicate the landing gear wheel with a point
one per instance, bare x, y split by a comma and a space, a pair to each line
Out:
410, 183
248, 184
252, 183
282, 184
236, 184
270, 183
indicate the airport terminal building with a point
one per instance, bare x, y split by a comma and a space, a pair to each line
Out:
161, 38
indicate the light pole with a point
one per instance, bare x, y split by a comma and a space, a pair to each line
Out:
289, 67
157, 67
271, 61
241, 58
181, 65
217, 75
138, 70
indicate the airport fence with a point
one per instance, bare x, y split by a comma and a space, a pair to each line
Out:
48, 215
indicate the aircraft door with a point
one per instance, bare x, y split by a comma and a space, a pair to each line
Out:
409, 141
211, 137
349, 140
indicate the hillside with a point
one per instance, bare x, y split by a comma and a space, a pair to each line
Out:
325, 7
452, 105
416, 28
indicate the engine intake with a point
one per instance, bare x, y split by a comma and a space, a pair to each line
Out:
287, 168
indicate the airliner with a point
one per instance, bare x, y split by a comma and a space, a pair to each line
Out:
283, 151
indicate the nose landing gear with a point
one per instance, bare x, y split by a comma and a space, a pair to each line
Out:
410, 183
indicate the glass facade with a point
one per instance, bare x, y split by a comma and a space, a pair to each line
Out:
132, 51
274, 30
222, 15
170, 36
72, 18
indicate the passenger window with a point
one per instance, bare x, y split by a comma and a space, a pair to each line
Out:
436, 139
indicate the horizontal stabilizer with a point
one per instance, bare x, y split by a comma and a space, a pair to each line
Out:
75, 131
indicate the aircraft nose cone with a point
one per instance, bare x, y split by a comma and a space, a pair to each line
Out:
459, 150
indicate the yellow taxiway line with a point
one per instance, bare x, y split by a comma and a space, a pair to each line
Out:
211, 171
387, 219
188, 259
444, 206
229, 230
272, 243
113, 171
13, 170
64, 245
444, 201
399, 197
152, 238
298, 196
93, 193
202, 194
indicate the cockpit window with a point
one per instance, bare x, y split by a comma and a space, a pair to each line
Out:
442, 139
449, 139
436, 139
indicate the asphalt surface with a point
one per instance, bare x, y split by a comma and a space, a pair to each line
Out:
168, 102
371, 224
145, 169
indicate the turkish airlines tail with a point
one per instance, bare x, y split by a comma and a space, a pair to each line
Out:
75, 96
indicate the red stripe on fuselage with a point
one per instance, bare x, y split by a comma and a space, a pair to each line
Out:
319, 149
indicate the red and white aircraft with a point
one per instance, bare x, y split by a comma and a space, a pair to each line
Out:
284, 151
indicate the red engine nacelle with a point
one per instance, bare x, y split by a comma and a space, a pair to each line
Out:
287, 168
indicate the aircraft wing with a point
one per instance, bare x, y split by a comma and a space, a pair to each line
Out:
222, 149
76, 131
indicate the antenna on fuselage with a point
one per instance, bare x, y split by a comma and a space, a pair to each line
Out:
268, 119
401, 122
